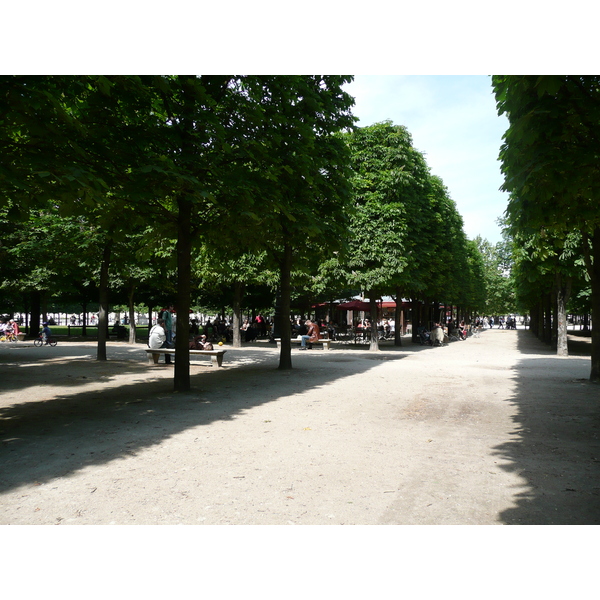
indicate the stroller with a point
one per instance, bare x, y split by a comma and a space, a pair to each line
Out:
436, 336
424, 337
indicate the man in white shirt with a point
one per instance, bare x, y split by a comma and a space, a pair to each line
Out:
158, 339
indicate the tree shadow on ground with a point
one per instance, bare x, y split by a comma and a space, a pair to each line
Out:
26, 366
56, 435
556, 444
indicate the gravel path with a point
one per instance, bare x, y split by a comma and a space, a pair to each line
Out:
495, 430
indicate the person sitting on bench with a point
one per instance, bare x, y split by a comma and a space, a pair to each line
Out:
314, 334
119, 330
158, 339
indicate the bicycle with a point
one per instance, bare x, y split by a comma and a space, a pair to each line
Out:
44, 342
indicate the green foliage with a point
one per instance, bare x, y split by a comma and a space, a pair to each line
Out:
551, 151
389, 181
443, 256
405, 231
539, 258
497, 278
550, 159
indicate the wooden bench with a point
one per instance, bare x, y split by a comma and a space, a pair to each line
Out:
216, 356
326, 342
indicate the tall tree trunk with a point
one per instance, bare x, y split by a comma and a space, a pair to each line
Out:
103, 308
426, 313
238, 294
181, 379
540, 323
34, 321
44, 299
398, 319
548, 318
374, 342
416, 320
84, 320
131, 306
554, 304
593, 266
563, 292
283, 327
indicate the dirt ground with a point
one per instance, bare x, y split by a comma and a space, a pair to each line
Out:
493, 430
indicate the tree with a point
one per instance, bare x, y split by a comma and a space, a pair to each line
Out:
75, 141
301, 168
550, 159
181, 154
497, 278
450, 267
389, 185
234, 271
546, 268
38, 258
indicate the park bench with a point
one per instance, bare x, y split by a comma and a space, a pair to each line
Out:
216, 356
326, 342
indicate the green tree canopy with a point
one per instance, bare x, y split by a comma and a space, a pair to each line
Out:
550, 159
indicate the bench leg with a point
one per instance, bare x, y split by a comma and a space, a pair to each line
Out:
217, 361
153, 358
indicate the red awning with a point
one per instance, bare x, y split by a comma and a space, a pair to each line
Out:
360, 305
355, 305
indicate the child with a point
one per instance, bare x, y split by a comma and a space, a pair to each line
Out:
46, 332
200, 343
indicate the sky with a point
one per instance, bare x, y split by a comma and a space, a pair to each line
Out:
454, 123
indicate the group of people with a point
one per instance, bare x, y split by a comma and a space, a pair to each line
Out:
250, 331
437, 336
511, 323
489, 322
162, 335
385, 327
9, 329
215, 329
219, 329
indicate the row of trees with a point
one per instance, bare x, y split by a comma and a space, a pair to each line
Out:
160, 160
550, 159
405, 236
171, 186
